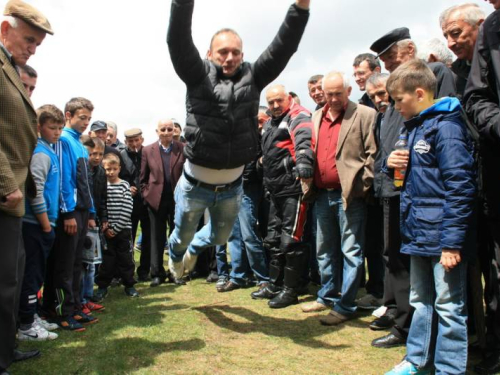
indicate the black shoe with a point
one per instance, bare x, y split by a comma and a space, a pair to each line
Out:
212, 277
266, 291
490, 365
131, 292
21, 356
389, 341
384, 322
287, 297
156, 282
143, 279
228, 287
99, 295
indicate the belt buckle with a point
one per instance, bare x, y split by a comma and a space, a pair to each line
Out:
219, 187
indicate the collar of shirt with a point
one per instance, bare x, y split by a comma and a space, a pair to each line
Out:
166, 149
326, 113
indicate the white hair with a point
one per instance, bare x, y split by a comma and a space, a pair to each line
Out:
405, 43
11, 20
345, 79
112, 125
437, 48
470, 12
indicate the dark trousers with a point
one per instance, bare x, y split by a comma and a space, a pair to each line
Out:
142, 216
64, 268
397, 275
159, 220
117, 260
12, 259
37, 244
374, 249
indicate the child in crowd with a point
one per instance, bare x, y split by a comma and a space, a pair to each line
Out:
39, 223
64, 268
437, 205
117, 259
95, 147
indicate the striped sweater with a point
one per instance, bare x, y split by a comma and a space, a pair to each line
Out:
120, 205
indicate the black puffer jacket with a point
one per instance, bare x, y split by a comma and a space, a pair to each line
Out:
286, 141
221, 124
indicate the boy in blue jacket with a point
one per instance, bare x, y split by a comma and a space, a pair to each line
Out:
39, 222
62, 289
437, 206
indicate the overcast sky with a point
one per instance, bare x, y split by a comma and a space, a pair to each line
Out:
114, 52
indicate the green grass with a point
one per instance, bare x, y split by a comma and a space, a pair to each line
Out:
193, 329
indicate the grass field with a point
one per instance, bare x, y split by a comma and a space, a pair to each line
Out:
193, 329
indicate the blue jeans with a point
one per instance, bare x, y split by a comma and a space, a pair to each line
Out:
87, 286
221, 260
190, 204
245, 245
438, 295
340, 242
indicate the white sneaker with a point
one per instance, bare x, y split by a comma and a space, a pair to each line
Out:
36, 333
189, 261
176, 268
45, 324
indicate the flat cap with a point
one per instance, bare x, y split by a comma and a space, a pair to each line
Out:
134, 132
29, 14
382, 45
98, 125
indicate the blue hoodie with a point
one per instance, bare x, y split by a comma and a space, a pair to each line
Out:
439, 191
76, 193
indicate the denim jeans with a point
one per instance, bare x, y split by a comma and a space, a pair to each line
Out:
245, 245
190, 204
340, 242
87, 287
221, 260
438, 295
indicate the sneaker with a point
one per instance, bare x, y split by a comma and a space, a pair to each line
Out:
369, 302
86, 310
176, 268
36, 333
189, 261
406, 368
100, 294
131, 292
45, 324
94, 306
212, 277
70, 324
83, 318
221, 282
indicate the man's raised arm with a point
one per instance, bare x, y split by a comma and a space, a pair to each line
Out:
274, 59
184, 55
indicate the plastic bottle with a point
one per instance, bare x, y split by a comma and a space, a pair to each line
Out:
399, 173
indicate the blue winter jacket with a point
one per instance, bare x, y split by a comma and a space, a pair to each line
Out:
77, 187
438, 194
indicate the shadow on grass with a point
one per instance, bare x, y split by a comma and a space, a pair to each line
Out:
302, 332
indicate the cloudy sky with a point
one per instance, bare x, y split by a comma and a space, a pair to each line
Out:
114, 52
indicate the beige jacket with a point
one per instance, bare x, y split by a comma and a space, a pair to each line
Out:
18, 134
356, 150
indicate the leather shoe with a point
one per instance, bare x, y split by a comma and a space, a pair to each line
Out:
266, 291
156, 282
490, 365
384, 322
21, 356
228, 287
287, 297
388, 341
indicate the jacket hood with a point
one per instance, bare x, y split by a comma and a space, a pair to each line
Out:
443, 105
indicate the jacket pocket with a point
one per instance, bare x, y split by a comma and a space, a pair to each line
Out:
426, 222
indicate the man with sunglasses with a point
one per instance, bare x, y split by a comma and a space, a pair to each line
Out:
221, 126
161, 168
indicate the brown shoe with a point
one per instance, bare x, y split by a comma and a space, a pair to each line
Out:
334, 318
314, 306
228, 287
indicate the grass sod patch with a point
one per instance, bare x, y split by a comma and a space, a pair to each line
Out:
195, 330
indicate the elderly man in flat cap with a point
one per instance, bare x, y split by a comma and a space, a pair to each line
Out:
22, 30
394, 49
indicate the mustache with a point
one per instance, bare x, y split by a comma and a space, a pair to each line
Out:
383, 104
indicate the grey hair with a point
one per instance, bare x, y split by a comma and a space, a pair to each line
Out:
470, 12
112, 125
405, 43
11, 20
345, 79
437, 48
377, 78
